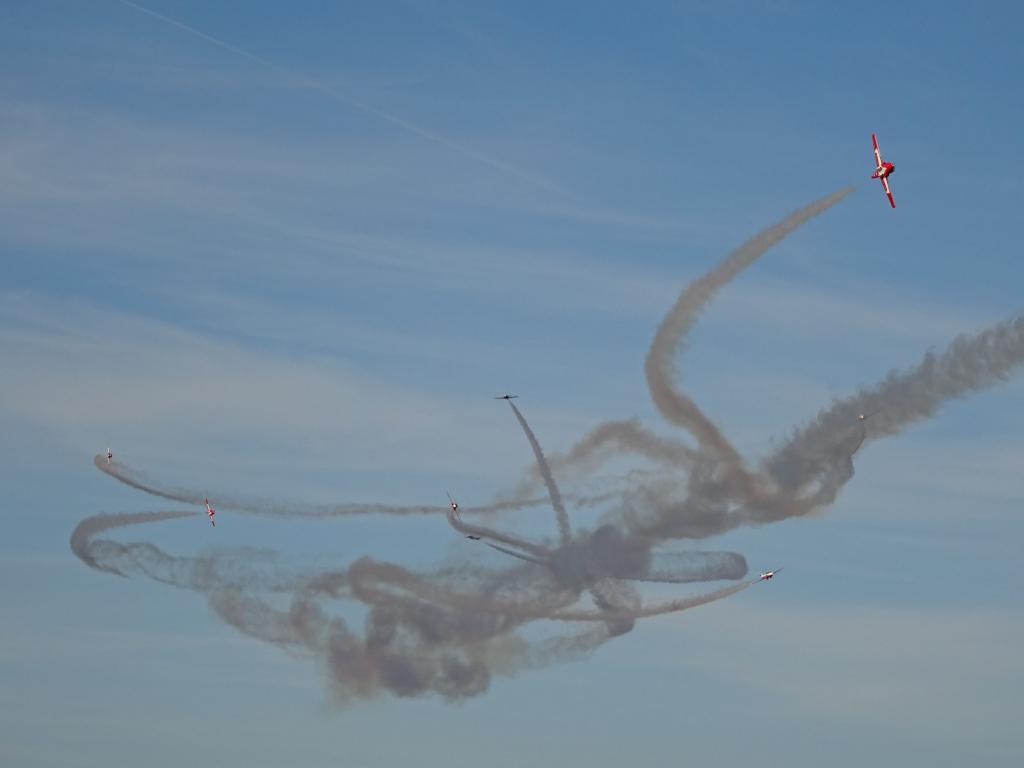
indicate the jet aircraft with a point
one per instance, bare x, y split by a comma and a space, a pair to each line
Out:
882, 171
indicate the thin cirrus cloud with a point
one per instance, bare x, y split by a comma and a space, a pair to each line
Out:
83, 371
867, 664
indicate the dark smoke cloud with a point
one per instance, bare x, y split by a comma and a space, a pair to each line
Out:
408, 646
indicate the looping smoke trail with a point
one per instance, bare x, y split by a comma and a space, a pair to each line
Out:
451, 631
658, 366
684, 313
82, 544
620, 437
409, 647
599, 562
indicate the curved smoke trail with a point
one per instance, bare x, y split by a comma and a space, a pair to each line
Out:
450, 631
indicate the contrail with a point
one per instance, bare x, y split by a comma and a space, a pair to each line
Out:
354, 103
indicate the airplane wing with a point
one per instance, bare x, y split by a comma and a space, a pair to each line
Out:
878, 155
888, 193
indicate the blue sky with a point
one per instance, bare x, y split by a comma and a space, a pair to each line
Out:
238, 279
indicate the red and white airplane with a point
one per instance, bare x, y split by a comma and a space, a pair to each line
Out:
210, 512
110, 455
769, 574
882, 171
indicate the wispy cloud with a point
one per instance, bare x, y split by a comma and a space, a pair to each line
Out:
350, 101
866, 664
84, 372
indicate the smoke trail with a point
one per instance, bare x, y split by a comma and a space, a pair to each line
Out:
618, 437
658, 366
607, 440
658, 609
483, 532
623, 437
449, 632
380, 582
691, 567
448, 646
520, 555
257, 506
969, 363
554, 494
811, 468
606, 549
83, 546
139, 480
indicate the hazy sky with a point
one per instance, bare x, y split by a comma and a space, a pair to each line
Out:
299, 264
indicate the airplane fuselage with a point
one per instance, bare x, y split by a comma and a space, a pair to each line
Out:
883, 171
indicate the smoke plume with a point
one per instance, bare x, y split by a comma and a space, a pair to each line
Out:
450, 631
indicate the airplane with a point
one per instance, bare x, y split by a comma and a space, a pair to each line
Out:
110, 455
769, 574
506, 397
210, 512
882, 171
453, 505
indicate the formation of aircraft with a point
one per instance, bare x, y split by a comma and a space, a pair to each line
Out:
882, 171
